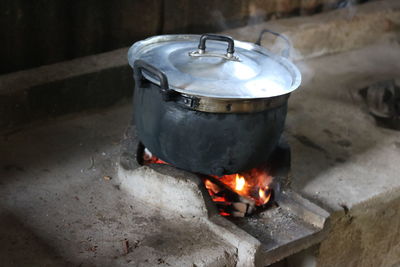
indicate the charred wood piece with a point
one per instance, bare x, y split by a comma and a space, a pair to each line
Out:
237, 205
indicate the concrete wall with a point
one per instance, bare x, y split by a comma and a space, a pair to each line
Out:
368, 235
42, 32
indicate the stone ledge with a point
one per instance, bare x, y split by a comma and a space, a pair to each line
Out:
332, 32
90, 82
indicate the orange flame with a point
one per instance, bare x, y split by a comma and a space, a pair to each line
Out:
239, 183
264, 198
149, 158
253, 185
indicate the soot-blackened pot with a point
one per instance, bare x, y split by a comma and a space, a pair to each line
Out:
216, 130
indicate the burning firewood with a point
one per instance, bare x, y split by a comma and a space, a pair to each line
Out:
236, 195
233, 204
241, 207
235, 209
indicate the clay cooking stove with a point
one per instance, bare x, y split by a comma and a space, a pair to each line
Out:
261, 215
240, 194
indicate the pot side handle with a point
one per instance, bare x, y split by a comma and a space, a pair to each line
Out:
140, 65
285, 52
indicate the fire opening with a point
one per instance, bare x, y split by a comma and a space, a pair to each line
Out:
236, 195
240, 194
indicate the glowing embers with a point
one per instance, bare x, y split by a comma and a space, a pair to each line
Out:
241, 194
236, 195
149, 158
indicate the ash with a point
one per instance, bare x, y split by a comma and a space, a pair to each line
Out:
275, 226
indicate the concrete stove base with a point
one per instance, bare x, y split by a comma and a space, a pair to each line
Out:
258, 240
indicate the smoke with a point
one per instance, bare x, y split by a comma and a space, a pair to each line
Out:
256, 15
345, 3
307, 72
279, 45
219, 19
257, 22
348, 5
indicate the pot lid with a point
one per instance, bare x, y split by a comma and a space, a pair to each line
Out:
216, 66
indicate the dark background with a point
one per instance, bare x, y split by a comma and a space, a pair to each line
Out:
38, 32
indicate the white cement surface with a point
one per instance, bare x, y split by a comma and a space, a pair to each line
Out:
351, 160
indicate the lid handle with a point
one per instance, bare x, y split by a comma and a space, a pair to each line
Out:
215, 37
223, 38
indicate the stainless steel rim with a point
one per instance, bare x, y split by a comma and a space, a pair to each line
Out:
219, 105
138, 46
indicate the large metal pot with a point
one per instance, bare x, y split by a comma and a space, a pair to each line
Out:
205, 110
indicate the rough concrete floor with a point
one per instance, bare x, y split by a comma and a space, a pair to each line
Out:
56, 208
